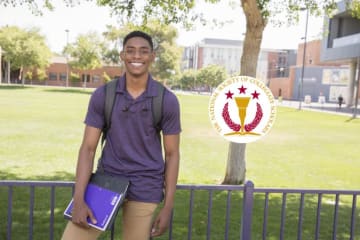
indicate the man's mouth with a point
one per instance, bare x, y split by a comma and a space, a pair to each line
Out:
136, 64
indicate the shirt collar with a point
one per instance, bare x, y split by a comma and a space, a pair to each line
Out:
151, 88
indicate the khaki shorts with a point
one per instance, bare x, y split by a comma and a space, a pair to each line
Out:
136, 224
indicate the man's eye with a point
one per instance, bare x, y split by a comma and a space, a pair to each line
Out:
144, 52
130, 51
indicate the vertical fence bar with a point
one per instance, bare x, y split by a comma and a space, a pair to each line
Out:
301, 213
227, 219
208, 229
353, 217
190, 213
9, 219
336, 213
31, 212
112, 231
52, 207
266, 213
283, 212
318, 211
171, 224
248, 204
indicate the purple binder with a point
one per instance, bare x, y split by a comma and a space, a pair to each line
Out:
104, 204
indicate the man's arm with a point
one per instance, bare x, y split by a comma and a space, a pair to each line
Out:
172, 159
83, 172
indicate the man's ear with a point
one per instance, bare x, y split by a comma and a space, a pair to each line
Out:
153, 56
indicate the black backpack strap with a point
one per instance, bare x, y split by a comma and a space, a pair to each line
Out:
156, 107
110, 94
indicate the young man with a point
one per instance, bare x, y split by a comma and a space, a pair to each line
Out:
132, 148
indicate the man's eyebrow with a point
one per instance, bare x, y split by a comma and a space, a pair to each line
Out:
142, 47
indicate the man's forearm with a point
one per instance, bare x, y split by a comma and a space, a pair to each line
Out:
171, 177
83, 172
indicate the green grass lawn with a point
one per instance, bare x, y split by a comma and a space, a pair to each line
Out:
41, 130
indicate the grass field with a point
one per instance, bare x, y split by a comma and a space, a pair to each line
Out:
41, 129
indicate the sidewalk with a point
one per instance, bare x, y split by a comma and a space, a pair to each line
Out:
332, 108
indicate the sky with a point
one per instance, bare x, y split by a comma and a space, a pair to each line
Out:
89, 17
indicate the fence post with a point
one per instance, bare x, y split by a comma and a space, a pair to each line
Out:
248, 203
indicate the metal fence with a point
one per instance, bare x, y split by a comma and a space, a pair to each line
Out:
33, 209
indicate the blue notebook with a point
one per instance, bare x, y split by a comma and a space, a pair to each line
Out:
104, 195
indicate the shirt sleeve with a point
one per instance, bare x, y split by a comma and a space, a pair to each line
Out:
170, 121
95, 113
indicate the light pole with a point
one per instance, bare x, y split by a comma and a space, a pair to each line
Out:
67, 59
301, 87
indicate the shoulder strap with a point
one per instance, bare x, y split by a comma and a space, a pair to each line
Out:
157, 103
110, 94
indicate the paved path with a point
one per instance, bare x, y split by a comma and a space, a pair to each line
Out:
332, 108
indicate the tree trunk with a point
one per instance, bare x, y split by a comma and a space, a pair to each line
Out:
235, 168
255, 25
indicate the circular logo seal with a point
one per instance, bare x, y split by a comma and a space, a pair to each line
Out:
242, 109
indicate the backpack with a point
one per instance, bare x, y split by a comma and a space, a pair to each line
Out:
110, 96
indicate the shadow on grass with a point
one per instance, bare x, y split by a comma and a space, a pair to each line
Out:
13, 87
224, 220
76, 91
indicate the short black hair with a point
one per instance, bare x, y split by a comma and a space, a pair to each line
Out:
141, 34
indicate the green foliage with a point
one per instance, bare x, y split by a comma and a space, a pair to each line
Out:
74, 77
29, 75
106, 77
166, 11
211, 76
41, 74
24, 48
86, 52
355, 8
187, 79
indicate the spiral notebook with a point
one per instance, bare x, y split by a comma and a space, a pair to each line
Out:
104, 195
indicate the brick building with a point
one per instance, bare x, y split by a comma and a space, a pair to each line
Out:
58, 71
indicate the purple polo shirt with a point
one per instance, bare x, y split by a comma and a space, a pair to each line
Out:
133, 148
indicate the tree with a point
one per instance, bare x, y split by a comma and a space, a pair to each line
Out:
211, 76
86, 52
187, 79
25, 49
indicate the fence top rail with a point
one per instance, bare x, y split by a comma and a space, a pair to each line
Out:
211, 187
208, 187
306, 191
36, 183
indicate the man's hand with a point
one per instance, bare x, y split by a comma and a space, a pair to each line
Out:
161, 222
80, 213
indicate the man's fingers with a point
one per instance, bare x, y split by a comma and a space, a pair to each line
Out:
92, 217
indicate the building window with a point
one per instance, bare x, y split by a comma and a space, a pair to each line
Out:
85, 77
62, 76
52, 76
95, 78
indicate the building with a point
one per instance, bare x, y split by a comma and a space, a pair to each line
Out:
342, 45
308, 77
227, 53
58, 70
60, 73
210, 51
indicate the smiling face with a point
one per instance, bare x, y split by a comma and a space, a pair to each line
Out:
137, 56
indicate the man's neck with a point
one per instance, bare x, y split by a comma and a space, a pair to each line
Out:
136, 85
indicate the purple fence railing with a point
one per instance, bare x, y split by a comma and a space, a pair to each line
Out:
200, 212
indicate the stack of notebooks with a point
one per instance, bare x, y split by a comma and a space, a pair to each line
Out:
104, 195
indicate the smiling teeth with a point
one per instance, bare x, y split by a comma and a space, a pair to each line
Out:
136, 64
